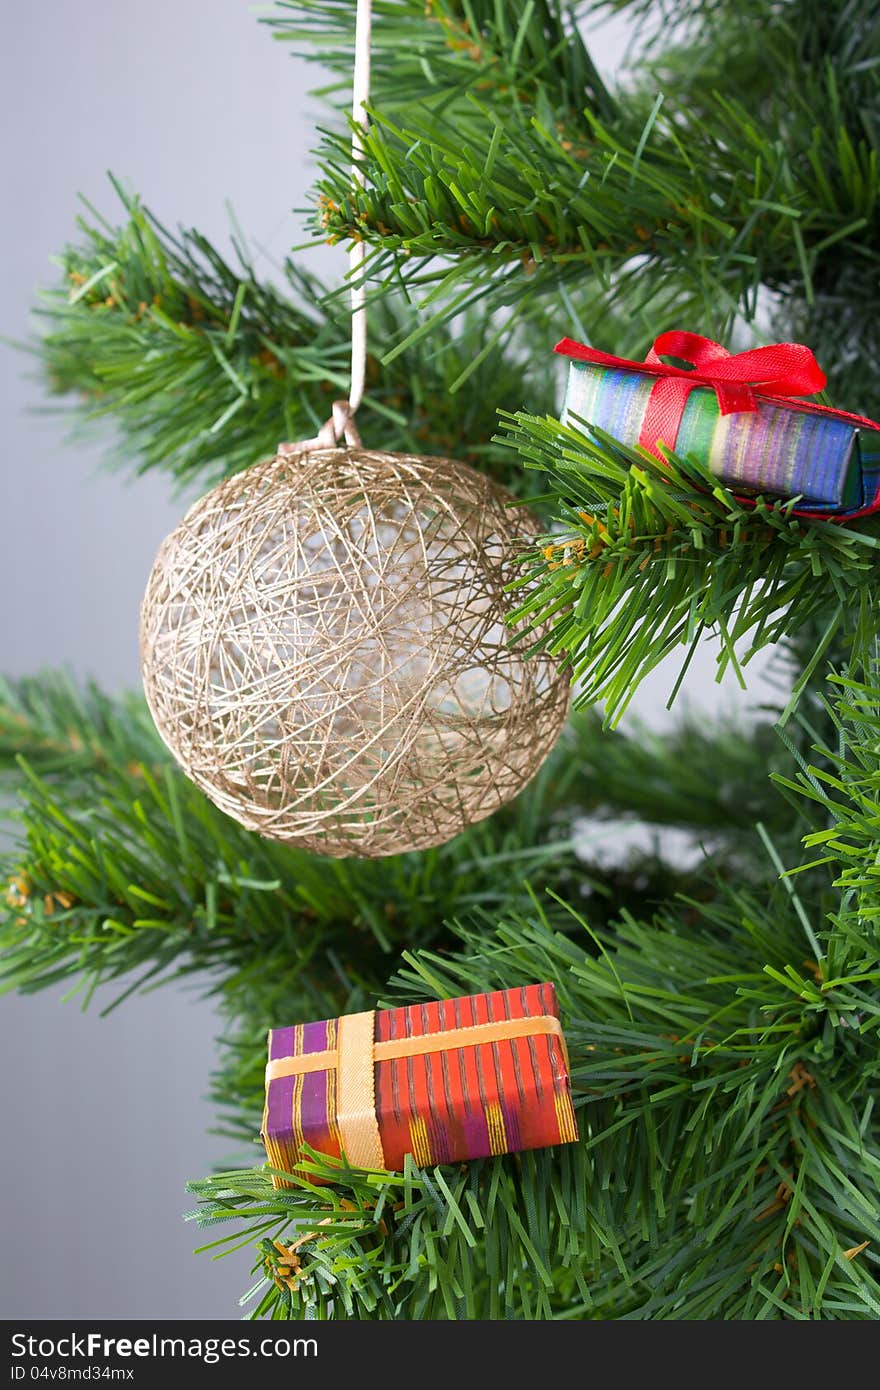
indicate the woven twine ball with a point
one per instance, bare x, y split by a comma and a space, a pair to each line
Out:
325, 651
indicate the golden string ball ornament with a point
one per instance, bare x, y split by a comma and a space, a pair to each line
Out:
325, 650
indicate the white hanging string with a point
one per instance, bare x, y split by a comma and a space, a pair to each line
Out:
341, 423
358, 254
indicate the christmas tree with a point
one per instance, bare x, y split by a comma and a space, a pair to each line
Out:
723, 1017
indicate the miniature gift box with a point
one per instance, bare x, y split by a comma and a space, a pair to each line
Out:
459, 1079
735, 414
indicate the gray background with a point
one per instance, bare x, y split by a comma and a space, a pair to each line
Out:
191, 103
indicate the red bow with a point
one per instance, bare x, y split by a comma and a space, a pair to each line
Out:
784, 369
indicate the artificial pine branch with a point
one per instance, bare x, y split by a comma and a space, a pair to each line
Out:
524, 50
649, 555
808, 74
705, 776
603, 200
124, 872
730, 1155
694, 202
204, 368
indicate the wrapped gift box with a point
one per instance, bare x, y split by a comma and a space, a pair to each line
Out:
459, 1079
755, 442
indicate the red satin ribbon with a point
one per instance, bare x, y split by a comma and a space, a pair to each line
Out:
784, 369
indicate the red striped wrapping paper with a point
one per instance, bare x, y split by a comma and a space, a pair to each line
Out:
475, 1093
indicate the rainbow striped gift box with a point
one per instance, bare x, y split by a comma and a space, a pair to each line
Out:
827, 459
459, 1079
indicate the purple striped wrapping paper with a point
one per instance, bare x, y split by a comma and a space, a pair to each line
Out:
831, 464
